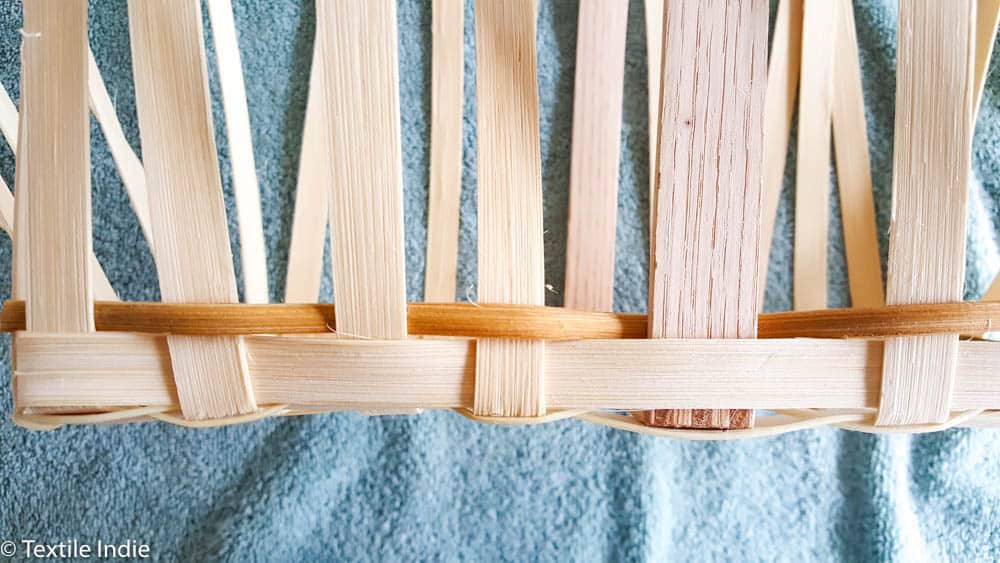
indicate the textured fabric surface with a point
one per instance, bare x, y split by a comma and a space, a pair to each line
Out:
437, 486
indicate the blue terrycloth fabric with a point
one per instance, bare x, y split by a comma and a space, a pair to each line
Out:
437, 486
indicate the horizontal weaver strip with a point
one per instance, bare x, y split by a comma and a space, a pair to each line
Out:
476, 320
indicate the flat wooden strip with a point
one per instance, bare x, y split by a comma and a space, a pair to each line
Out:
366, 200
56, 161
654, 66
312, 193
129, 168
812, 172
445, 185
120, 370
8, 118
703, 279
593, 179
253, 250
779, 109
509, 374
934, 98
987, 18
190, 237
850, 136
518, 321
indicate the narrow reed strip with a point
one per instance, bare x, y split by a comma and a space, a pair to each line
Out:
8, 118
854, 179
779, 110
703, 266
654, 66
812, 171
54, 186
312, 193
933, 137
510, 374
445, 179
593, 177
253, 251
987, 19
129, 167
190, 239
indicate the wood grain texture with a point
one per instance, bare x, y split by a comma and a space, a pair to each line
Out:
812, 171
654, 66
779, 110
358, 50
445, 182
854, 179
55, 161
121, 370
190, 238
703, 279
312, 193
509, 373
593, 176
253, 250
934, 99
8, 118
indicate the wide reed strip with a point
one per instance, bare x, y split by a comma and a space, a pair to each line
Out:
654, 65
128, 164
312, 192
593, 177
518, 321
703, 279
850, 143
190, 238
812, 172
245, 190
779, 109
358, 50
122, 370
509, 373
445, 182
934, 98
54, 179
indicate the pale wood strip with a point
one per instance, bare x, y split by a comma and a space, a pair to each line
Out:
253, 250
779, 109
654, 66
312, 192
850, 143
190, 237
593, 177
445, 186
987, 18
812, 172
934, 96
106, 370
509, 373
358, 50
8, 118
129, 168
703, 279
6, 208
56, 167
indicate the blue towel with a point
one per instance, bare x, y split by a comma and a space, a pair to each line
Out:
437, 486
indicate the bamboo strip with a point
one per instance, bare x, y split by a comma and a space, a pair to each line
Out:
253, 250
934, 95
312, 192
55, 183
703, 279
128, 164
8, 118
850, 143
593, 180
445, 181
812, 172
6, 208
121, 370
190, 238
509, 373
358, 49
527, 322
654, 66
779, 109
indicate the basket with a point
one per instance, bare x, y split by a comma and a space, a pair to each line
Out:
912, 357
